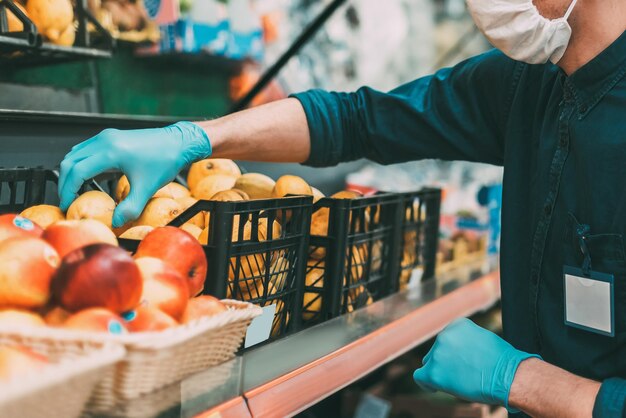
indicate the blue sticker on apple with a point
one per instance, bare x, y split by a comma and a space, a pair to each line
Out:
129, 316
115, 327
25, 224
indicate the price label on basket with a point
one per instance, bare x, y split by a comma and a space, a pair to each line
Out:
260, 327
416, 277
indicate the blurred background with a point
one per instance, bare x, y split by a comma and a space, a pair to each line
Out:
151, 62
157, 61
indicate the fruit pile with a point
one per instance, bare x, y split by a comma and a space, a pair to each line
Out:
355, 294
211, 179
54, 19
73, 275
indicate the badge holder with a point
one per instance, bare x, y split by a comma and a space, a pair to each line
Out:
589, 294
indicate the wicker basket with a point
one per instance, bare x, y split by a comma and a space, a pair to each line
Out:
156, 359
171, 400
63, 388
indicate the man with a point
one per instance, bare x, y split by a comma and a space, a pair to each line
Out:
559, 132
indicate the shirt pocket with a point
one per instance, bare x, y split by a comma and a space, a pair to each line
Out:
607, 256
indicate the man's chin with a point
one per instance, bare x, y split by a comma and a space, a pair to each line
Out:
552, 9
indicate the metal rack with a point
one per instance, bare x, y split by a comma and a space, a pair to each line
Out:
27, 48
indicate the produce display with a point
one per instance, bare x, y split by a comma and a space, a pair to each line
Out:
163, 251
357, 256
54, 19
169, 264
259, 277
73, 274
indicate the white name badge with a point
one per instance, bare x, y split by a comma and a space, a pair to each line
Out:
589, 301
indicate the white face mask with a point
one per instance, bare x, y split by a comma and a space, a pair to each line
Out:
517, 29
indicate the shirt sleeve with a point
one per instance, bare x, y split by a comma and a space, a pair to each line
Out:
458, 113
611, 399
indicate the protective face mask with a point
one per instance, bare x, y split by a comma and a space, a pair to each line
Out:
517, 29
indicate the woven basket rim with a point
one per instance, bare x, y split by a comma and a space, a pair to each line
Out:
237, 311
59, 373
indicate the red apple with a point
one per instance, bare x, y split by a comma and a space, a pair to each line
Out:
56, 316
180, 250
163, 287
96, 320
98, 275
12, 225
202, 306
16, 362
26, 269
148, 318
21, 319
66, 236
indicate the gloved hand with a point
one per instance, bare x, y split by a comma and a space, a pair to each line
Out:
471, 363
150, 158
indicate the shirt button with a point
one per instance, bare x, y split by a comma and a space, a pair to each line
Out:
535, 277
563, 142
584, 109
547, 209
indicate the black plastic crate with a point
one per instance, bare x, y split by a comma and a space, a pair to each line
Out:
419, 234
22, 187
264, 266
352, 264
249, 261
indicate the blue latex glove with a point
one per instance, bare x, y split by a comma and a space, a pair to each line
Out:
150, 158
471, 363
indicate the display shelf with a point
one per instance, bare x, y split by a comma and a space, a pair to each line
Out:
27, 48
201, 60
24, 56
235, 408
355, 345
287, 376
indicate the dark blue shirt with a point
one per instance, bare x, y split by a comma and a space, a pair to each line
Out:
562, 143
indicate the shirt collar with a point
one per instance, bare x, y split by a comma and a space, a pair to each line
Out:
590, 83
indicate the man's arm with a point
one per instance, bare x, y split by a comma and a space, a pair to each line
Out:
458, 113
545, 391
477, 365
275, 132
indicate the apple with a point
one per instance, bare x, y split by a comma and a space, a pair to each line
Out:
180, 250
163, 287
148, 318
210, 167
12, 225
137, 232
159, 211
20, 318
194, 230
201, 307
43, 215
97, 320
56, 316
67, 236
173, 191
28, 265
92, 205
98, 275
122, 189
185, 203
16, 362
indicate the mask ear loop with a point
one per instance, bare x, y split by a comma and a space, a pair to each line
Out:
570, 9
